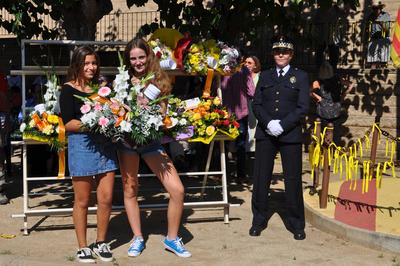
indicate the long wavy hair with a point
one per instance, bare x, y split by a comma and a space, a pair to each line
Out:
161, 79
78, 62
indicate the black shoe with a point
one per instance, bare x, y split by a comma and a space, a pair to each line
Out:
299, 235
102, 251
256, 230
85, 255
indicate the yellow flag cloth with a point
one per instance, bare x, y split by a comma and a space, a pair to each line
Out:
395, 49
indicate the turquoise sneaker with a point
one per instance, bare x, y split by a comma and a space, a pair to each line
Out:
176, 246
136, 246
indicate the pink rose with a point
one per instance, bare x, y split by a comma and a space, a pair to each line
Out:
98, 107
85, 108
103, 121
104, 91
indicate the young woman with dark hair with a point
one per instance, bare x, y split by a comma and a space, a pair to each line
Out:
91, 161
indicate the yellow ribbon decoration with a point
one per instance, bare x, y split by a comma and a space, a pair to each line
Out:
207, 86
336, 161
378, 175
356, 175
344, 155
315, 127
355, 150
379, 130
361, 148
61, 152
364, 177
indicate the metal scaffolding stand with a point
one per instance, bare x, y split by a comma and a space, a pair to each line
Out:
27, 211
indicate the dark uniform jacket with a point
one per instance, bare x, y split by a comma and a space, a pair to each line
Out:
286, 99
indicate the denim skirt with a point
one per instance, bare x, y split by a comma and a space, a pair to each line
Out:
90, 154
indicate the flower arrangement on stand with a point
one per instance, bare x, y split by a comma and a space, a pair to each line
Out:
211, 54
211, 117
43, 123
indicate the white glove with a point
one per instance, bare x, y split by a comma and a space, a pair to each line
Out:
268, 132
275, 128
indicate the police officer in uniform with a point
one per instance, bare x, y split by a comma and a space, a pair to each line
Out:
280, 103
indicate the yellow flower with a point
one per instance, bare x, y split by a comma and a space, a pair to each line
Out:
48, 129
214, 115
153, 43
32, 123
53, 119
217, 101
196, 116
210, 130
194, 48
194, 60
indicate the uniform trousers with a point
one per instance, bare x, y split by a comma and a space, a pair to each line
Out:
291, 154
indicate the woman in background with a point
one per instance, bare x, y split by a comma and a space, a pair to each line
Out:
253, 64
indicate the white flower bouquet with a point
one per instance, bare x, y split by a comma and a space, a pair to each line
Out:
177, 124
127, 112
43, 123
229, 59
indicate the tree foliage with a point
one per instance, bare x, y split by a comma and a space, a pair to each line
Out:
236, 20
77, 17
229, 20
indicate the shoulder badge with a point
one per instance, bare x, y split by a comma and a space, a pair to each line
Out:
292, 79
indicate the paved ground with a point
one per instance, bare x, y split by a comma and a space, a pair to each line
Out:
211, 242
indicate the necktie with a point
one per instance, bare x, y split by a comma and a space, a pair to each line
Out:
280, 74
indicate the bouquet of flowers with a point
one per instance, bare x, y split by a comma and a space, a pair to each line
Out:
124, 113
177, 125
229, 59
164, 54
211, 117
43, 124
195, 61
211, 54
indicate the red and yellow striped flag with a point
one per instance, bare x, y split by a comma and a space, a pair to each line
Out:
395, 49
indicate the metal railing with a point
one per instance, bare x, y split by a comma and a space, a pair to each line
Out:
116, 26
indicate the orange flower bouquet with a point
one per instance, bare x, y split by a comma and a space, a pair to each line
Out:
210, 117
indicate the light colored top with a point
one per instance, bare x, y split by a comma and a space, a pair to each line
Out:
285, 70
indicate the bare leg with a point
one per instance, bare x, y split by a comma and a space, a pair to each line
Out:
129, 166
82, 187
162, 166
105, 185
